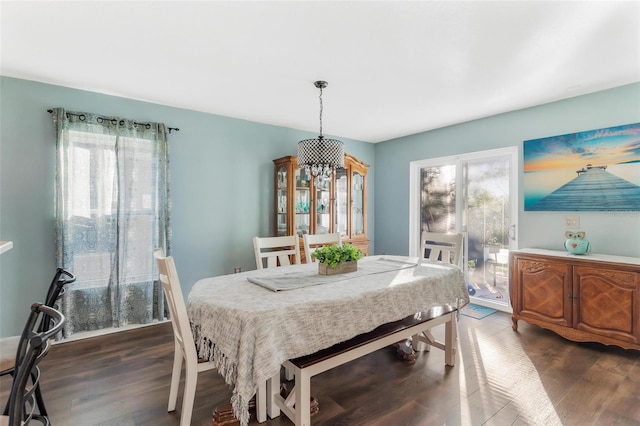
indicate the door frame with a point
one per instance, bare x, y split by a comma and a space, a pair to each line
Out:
414, 203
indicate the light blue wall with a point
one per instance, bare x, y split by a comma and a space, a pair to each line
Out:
608, 233
222, 177
222, 186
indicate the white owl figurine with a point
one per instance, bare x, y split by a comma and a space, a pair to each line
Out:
576, 242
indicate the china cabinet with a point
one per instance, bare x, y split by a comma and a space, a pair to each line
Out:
307, 205
584, 298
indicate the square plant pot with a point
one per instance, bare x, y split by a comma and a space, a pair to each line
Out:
341, 268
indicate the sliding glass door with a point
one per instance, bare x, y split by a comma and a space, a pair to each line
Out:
475, 194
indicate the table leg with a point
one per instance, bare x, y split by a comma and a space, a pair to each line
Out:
261, 402
450, 340
273, 389
303, 399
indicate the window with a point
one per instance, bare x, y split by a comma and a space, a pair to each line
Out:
112, 210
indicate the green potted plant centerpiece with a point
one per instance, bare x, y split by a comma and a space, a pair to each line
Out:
337, 260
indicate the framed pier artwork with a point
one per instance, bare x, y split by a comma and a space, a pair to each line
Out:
594, 170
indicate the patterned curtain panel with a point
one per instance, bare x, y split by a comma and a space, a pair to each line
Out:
112, 210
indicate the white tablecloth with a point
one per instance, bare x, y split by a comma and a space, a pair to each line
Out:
249, 331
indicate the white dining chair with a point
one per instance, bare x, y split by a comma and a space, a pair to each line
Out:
272, 252
276, 251
185, 348
437, 247
314, 241
440, 247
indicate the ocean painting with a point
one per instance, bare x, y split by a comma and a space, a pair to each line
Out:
595, 170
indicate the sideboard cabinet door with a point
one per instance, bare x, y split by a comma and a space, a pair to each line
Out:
545, 291
608, 302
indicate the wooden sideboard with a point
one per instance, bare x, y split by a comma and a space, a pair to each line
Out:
584, 298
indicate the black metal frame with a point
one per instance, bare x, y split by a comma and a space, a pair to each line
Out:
32, 348
61, 278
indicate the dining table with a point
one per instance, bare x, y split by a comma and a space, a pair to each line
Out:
249, 323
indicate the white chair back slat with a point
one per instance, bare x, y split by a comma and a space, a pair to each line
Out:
271, 252
439, 247
314, 241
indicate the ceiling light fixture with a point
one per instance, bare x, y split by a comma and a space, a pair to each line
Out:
320, 156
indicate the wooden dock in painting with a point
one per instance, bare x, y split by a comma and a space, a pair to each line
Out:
593, 189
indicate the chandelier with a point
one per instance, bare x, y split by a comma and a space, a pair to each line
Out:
320, 156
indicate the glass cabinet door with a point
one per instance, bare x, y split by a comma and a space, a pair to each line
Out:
307, 205
302, 200
323, 197
281, 200
357, 204
341, 213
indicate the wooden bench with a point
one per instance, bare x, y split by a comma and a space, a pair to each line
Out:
296, 405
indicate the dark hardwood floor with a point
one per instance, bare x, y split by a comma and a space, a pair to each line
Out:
502, 377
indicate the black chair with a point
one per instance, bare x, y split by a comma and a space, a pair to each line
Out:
61, 278
56, 289
33, 346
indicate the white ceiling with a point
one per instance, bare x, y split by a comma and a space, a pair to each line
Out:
394, 68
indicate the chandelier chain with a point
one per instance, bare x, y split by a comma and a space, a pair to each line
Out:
321, 111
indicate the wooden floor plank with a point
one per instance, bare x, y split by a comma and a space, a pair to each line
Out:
502, 377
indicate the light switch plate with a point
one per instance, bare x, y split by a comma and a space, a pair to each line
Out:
572, 222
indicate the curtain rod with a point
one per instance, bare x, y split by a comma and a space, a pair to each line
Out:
50, 111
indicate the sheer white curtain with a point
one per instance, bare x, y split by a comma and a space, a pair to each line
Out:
112, 210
